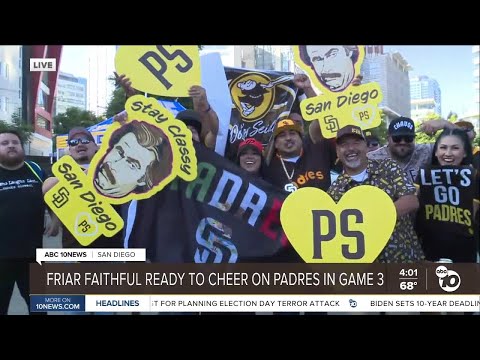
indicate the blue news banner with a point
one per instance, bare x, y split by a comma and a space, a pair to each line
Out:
42, 303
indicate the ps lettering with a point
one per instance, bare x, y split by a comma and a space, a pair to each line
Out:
39, 64
364, 115
319, 237
159, 73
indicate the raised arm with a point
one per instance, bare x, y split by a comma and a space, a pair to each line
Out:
208, 116
126, 84
430, 127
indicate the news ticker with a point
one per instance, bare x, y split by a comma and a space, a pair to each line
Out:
254, 303
255, 279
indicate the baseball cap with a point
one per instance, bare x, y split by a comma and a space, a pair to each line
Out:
401, 126
370, 136
80, 130
350, 130
190, 118
250, 143
287, 124
466, 125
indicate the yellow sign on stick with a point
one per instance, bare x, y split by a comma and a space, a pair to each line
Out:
139, 158
78, 206
167, 70
331, 68
353, 231
357, 106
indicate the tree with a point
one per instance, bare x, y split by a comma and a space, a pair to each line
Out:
421, 137
72, 117
381, 131
452, 117
19, 125
117, 102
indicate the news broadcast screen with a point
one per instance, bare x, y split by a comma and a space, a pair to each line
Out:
196, 179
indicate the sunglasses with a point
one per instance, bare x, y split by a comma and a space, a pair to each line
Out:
406, 138
75, 142
373, 143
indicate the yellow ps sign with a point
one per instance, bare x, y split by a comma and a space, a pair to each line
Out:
162, 69
353, 231
139, 158
77, 205
357, 106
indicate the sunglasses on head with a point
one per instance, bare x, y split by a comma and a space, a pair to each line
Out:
406, 138
75, 142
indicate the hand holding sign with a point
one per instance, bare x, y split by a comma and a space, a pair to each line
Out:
162, 70
353, 231
77, 205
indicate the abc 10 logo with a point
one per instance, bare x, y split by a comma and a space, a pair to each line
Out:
448, 280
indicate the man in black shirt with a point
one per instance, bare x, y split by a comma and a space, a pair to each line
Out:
22, 213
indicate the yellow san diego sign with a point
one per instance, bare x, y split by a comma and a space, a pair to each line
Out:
357, 106
167, 70
78, 206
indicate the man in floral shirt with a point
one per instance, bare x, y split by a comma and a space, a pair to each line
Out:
387, 175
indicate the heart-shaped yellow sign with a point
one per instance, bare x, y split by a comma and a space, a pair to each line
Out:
85, 226
353, 231
364, 115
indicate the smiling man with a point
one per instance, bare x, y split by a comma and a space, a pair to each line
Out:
387, 175
402, 148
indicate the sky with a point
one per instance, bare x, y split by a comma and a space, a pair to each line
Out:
451, 66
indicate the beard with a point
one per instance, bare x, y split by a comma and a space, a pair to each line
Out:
12, 160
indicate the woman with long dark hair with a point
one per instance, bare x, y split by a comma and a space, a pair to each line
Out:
448, 200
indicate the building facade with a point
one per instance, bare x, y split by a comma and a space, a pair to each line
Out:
426, 96
391, 71
101, 66
39, 90
71, 92
10, 81
263, 57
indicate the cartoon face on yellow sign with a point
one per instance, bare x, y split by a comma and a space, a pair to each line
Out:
75, 202
353, 231
357, 106
161, 70
141, 157
332, 68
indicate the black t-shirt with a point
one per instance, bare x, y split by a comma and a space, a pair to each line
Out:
445, 223
311, 169
22, 213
